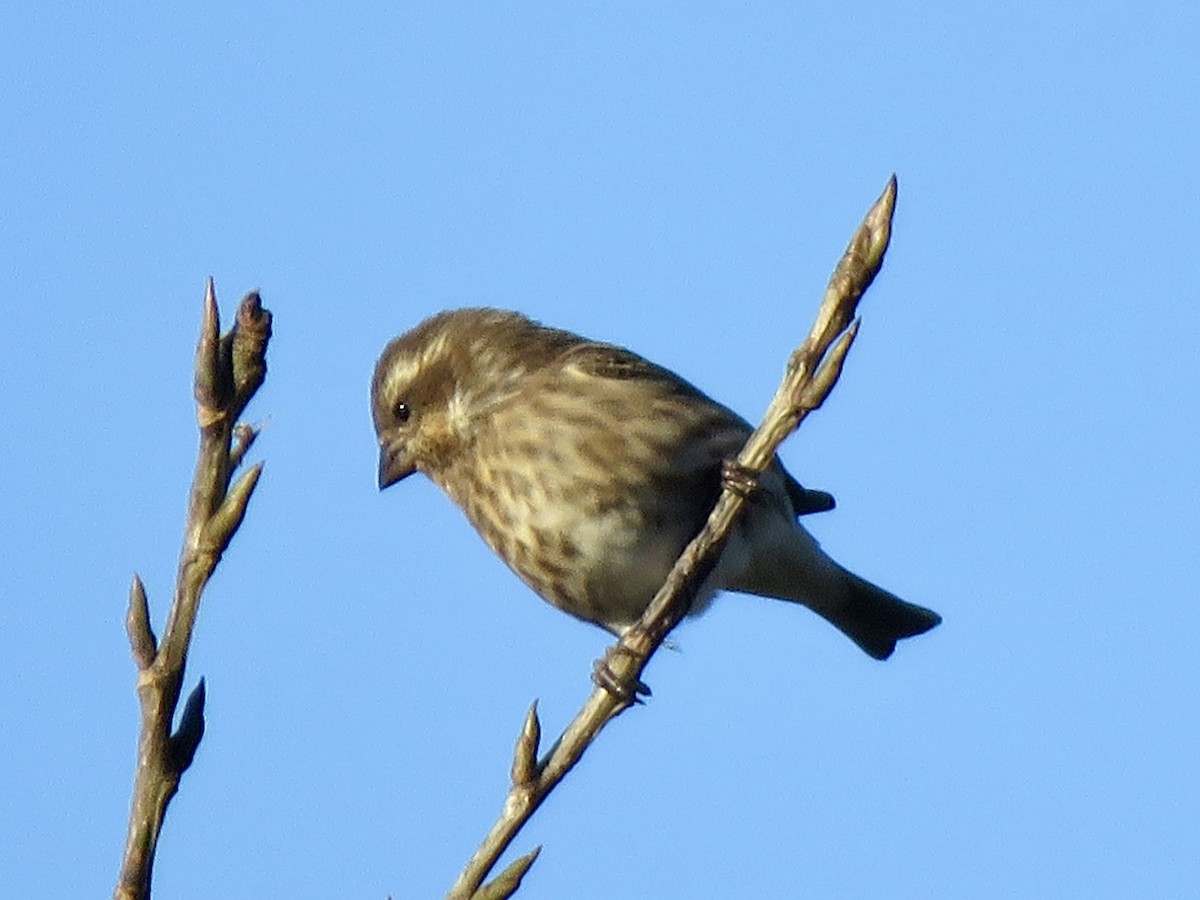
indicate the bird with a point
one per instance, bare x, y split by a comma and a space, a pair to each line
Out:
587, 469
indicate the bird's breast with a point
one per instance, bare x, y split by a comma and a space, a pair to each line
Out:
589, 546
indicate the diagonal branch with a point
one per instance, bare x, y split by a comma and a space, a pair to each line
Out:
229, 370
811, 373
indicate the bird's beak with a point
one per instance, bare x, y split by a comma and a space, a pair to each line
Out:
394, 464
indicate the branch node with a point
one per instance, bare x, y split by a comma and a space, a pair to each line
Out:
507, 882
828, 372
224, 523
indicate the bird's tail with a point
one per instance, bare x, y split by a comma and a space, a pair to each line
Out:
786, 562
870, 616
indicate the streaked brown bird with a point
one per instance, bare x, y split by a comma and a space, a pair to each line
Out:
588, 469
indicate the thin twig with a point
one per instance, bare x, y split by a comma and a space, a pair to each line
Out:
812, 372
229, 370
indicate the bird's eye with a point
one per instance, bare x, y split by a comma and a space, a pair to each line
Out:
401, 411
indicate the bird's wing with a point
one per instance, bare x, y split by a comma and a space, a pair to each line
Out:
610, 361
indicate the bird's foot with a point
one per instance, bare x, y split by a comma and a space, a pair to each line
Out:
738, 478
623, 686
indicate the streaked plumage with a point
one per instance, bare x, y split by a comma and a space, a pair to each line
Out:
588, 468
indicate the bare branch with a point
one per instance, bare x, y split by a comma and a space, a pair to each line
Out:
811, 373
228, 372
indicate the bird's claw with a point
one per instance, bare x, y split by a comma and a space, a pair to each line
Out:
741, 480
627, 688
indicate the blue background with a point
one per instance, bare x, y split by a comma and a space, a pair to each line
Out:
1014, 442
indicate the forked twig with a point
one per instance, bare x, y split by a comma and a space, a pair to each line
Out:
812, 372
229, 370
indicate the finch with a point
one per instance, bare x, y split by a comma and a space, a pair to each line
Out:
588, 469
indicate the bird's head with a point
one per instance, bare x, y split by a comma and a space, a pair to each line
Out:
433, 384
412, 394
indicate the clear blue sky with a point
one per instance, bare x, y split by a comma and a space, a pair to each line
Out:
1014, 442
